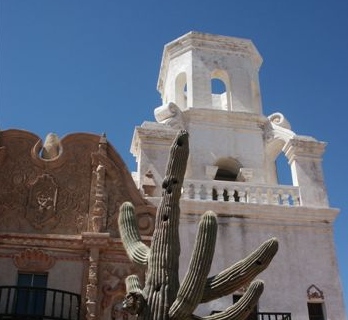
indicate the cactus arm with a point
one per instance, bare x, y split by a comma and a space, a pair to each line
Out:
241, 309
162, 282
136, 250
241, 273
134, 301
133, 284
191, 289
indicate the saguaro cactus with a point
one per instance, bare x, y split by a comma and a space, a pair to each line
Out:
163, 297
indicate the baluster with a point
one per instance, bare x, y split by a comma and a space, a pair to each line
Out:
258, 195
285, 199
230, 194
252, 196
275, 197
242, 196
295, 198
220, 194
197, 193
203, 192
191, 191
247, 195
264, 197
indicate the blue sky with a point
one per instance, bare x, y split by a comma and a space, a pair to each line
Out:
92, 66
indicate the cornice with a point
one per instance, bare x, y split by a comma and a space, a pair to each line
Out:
156, 134
304, 147
226, 119
149, 132
64, 246
282, 214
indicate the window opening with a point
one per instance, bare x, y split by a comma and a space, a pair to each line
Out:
283, 170
217, 86
219, 94
225, 175
315, 311
31, 297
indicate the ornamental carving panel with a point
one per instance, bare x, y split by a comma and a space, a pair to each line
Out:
113, 289
33, 260
63, 194
42, 204
314, 293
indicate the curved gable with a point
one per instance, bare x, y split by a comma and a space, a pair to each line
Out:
64, 194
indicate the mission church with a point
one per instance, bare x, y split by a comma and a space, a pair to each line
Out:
61, 256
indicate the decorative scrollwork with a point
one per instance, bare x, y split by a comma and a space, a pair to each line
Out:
33, 260
42, 208
314, 293
279, 119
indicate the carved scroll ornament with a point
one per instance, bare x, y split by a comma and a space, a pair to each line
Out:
33, 260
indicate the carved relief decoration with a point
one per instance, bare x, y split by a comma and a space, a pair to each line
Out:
114, 289
99, 209
42, 204
33, 260
61, 194
170, 114
118, 186
314, 293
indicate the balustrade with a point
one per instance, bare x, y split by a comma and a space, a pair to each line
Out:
241, 192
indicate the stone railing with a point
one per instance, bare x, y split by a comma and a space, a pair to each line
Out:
241, 192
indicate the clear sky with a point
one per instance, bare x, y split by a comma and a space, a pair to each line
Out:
92, 66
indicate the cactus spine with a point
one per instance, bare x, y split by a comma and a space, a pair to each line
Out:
163, 298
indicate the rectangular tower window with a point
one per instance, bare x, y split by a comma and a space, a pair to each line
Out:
31, 297
315, 311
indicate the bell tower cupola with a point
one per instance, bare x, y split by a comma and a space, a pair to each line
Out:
237, 163
205, 71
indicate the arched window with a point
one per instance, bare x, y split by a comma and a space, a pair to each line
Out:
283, 170
221, 90
217, 86
225, 175
228, 169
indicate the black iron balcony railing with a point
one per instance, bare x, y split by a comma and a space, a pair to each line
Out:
273, 316
28, 303
267, 315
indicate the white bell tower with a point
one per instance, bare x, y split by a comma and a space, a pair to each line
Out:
232, 170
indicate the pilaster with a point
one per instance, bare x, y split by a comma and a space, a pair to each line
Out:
305, 158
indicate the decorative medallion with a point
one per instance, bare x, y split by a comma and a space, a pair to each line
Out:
41, 209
